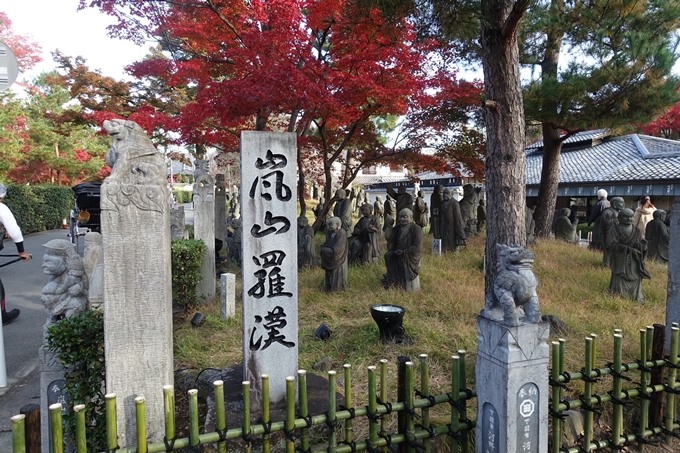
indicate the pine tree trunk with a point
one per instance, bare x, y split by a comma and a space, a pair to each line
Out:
550, 178
505, 166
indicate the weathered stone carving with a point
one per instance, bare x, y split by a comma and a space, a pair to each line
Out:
65, 294
481, 216
467, 209
306, 248
609, 219
135, 161
420, 210
657, 237
364, 246
564, 229
628, 253
404, 254
177, 227
514, 288
343, 210
436, 202
94, 268
451, 226
334, 256
404, 199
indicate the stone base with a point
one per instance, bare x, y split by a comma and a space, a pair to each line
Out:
52, 383
512, 387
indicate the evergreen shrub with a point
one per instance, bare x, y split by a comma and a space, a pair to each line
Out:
39, 208
187, 257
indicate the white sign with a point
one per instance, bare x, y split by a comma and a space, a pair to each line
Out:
9, 67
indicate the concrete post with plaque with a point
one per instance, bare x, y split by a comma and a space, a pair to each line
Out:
270, 286
512, 387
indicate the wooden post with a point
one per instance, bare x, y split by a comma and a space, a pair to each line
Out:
32, 413
656, 405
401, 397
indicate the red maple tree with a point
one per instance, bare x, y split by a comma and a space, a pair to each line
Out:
26, 51
667, 125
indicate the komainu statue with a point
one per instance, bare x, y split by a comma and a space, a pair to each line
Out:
514, 290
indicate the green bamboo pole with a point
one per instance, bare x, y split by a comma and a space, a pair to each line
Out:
169, 411
193, 418
19, 433
303, 408
372, 406
57, 428
465, 446
111, 426
410, 424
349, 429
290, 412
425, 391
644, 382
383, 397
455, 400
81, 438
672, 374
266, 417
141, 424
332, 434
220, 413
556, 398
245, 386
587, 394
594, 361
616, 392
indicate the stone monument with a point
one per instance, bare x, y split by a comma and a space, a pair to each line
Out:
269, 269
673, 297
512, 361
204, 227
94, 268
220, 212
138, 286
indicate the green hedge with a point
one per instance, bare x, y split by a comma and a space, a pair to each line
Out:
39, 208
187, 257
182, 196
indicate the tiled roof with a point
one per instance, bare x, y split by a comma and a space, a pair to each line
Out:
629, 158
597, 134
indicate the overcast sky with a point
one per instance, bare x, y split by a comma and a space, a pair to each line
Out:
56, 24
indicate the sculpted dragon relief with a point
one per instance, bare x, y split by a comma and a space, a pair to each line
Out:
514, 290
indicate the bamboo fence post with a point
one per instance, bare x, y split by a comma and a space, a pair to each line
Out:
672, 374
556, 398
32, 427
656, 406
247, 445
140, 418
19, 433
644, 383
455, 403
81, 438
465, 446
410, 408
332, 419
401, 397
383, 397
57, 428
587, 395
616, 393
169, 414
349, 429
425, 392
193, 418
290, 414
304, 409
594, 337
372, 407
266, 444
111, 427
220, 414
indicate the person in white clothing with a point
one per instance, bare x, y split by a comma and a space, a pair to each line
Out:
11, 230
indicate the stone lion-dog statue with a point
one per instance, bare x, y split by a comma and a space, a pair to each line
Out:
514, 290
132, 156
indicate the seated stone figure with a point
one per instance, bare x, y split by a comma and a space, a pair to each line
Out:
364, 245
657, 237
564, 229
404, 254
306, 248
334, 256
628, 253
65, 294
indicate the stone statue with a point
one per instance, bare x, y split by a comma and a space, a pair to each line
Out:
451, 226
403, 198
334, 257
65, 294
596, 218
220, 212
93, 264
628, 253
564, 229
364, 245
390, 210
306, 247
177, 227
481, 216
379, 210
353, 196
404, 254
467, 209
202, 176
388, 227
318, 210
530, 225
608, 220
436, 202
657, 237
343, 210
514, 287
420, 211
233, 240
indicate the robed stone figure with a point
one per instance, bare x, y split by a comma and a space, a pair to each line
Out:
334, 257
451, 226
564, 229
481, 216
657, 237
404, 254
468, 209
379, 209
628, 253
609, 219
306, 248
343, 210
364, 246
420, 211
403, 198
435, 209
